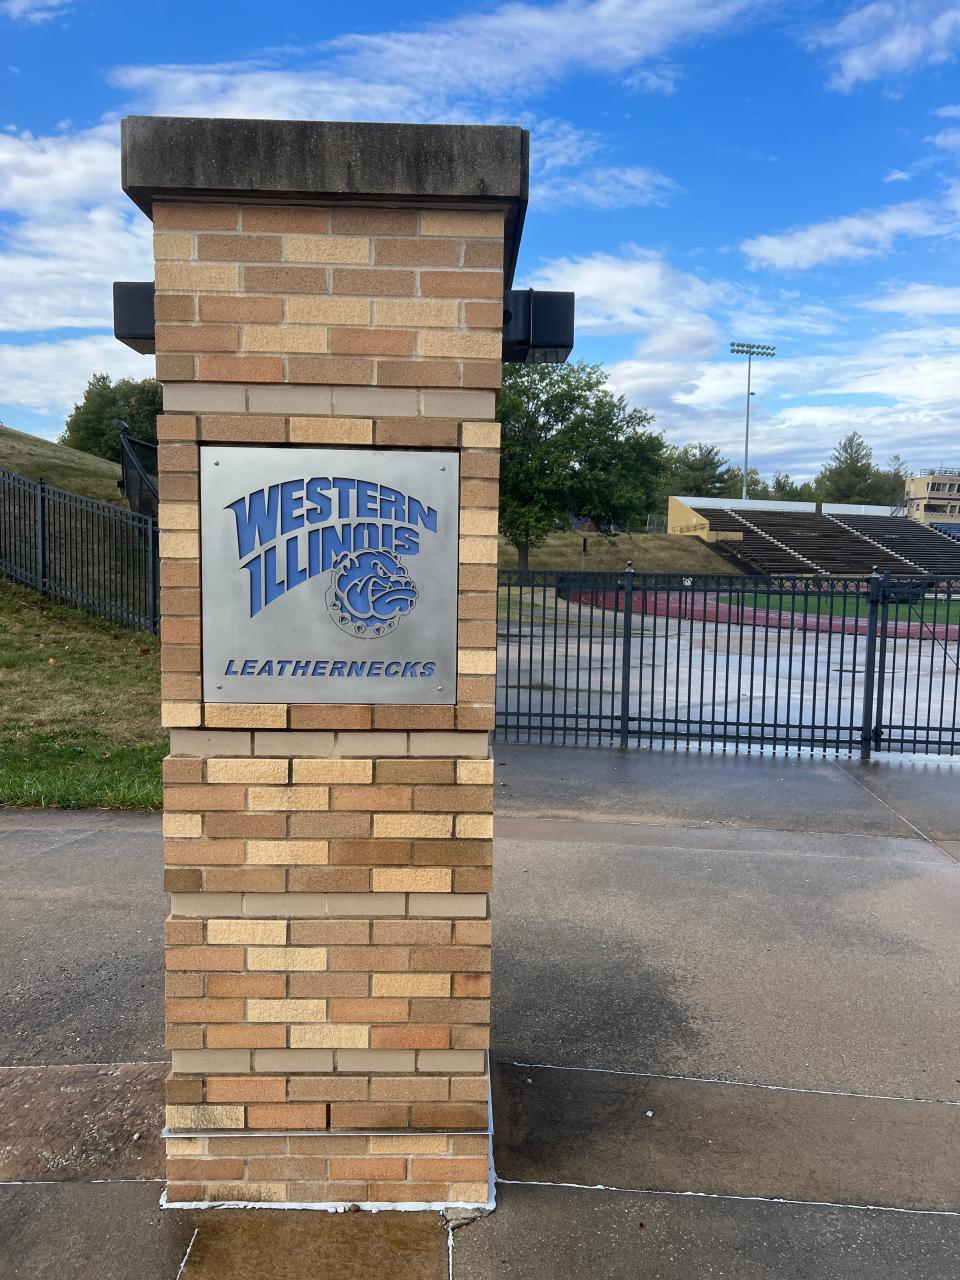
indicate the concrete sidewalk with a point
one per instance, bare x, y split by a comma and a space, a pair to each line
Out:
722, 983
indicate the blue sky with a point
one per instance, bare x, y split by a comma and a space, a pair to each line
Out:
702, 170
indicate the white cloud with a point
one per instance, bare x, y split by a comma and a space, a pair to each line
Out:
849, 238
39, 173
946, 139
49, 377
919, 299
888, 38
602, 187
33, 10
466, 67
897, 175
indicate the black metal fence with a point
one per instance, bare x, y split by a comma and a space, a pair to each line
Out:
825, 664
86, 553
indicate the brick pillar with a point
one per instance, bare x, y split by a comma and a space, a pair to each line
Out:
328, 947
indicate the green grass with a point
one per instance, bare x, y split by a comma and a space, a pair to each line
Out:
650, 553
79, 709
39, 459
849, 606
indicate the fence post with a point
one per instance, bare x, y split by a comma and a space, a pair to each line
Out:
41, 514
870, 665
625, 656
152, 572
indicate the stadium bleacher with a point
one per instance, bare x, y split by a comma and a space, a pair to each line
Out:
951, 530
779, 541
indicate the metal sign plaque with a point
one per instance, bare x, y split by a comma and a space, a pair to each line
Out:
329, 575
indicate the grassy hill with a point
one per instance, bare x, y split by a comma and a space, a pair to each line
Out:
650, 553
39, 459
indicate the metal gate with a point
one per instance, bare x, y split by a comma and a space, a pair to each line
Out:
824, 664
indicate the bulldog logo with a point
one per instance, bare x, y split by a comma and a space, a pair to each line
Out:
370, 592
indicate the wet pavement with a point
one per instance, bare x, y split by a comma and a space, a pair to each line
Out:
726, 992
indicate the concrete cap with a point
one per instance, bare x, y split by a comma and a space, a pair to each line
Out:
321, 161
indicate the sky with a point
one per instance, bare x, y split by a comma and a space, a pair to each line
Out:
701, 171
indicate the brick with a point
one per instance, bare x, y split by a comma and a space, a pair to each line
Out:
412, 826
407, 1144
455, 959
329, 880
225, 769
475, 772
448, 1115
197, 397
418, 373
288, 852
330, 369
371, 796
474, 986
238, 1089
473, 880
367, 1169
182, 932
325, 986
285, 280
184, 1037
204, 797
411, 933
238, 248
248, 880
475, 826
284, 218
460, 1011
452, 1060
480, 435
182, 879
298, 1115
470, 1193
458, 404
209, 743
197, 337
203, 1170
457, 222
204, 1061
420, 1036
411, 880
373, 222
265, 1192
474, 1037
365, 1011
375, 401
247, 986
414, 771
410, 984
176, 715
373, 342
243, 310
247, 932
286, 1060
481, 373
447, 904
483, 315
288, 798
287, 958
367, 958
419, 1192
284, 337
204, 1010
362, 852
371, 744
195, 278
328, 311
373, 282
480, 463
176, 306
179, 543
483, 253
286, 1010
449, 744
469, 1089
457, 799
449, 1170
254, 826
331, 431
472, 932
183, 986
329, 932
182, 824
460, 344
294, 743
390, 252
328, 1089
171, 367
241, 368
461, 284
417, 313
203, 958
337, 717
195, 217
319, 770
178, 488
327, 248
371, 1115
283, 399
320, 1036
246, 1036
428, 433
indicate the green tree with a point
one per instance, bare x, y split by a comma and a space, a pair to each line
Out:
571, 448
696, 471
785, 489
90, 426
757, 486
890, 482
849, 475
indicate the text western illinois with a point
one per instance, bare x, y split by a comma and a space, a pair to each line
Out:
338, 515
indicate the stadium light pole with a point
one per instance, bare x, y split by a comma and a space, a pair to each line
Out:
749, 349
